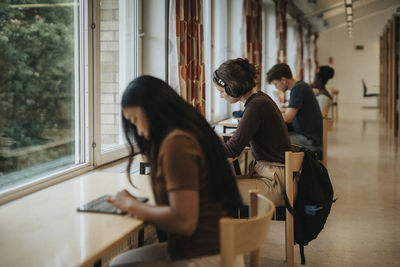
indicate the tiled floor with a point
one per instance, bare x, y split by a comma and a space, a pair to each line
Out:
364, 226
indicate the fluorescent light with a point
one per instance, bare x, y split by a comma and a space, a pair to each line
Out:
349, 17
348, 2
349, 10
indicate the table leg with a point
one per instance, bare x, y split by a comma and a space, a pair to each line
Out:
237, 167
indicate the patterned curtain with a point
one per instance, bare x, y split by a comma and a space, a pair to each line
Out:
281, 29
253, 21
316, 64
189, 45
308, 47
300, 52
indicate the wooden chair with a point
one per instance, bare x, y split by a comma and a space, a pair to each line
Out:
327, 126
239, 236
293, 163
334, 105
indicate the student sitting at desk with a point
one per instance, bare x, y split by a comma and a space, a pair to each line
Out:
324, 98
192, 181
261, 126
303, 111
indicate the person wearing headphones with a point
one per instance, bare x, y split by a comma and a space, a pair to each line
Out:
261, 126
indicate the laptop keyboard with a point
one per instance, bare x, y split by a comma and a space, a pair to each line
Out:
101, 205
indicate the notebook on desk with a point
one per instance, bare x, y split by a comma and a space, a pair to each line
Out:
100, 205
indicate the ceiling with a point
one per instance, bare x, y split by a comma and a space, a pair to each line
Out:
329, 14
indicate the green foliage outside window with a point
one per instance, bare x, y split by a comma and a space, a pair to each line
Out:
36, 76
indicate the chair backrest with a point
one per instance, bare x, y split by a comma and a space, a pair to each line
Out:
364, 87
334, 105
327, 126
239, 236
293, 163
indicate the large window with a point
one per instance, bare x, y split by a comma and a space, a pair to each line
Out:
39, 88
216, 52
64, 64
270, 48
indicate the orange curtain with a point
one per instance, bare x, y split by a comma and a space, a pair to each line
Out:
253, 20
300, 52
281, 29
308, 47
316, 64
190, 52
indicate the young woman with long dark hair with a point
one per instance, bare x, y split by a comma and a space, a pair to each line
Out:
324, 98
192, 181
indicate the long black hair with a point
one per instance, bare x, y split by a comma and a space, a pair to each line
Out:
321, 78
165, 111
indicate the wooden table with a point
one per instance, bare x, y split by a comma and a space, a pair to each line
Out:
44, 229
230, 123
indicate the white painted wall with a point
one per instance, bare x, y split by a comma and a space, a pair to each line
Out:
351, 66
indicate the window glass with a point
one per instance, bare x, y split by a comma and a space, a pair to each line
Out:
39, 75
291, 44
271, 48
219, 35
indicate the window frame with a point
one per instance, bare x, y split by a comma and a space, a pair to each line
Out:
87, 99
100, 156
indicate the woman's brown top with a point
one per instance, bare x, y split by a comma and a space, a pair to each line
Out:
182, 166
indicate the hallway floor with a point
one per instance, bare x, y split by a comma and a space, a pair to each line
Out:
363, 228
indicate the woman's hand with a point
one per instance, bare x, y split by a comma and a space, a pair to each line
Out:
123, 201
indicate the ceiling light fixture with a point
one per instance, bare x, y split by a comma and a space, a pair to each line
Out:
348, 8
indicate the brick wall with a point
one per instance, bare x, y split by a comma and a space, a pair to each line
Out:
109, 73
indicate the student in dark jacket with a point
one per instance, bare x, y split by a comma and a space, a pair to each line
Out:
303, 111
261, 126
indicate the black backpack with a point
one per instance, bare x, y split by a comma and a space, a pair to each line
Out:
313, 203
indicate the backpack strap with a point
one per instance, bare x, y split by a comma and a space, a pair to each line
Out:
285, 197
287, 205
303, 258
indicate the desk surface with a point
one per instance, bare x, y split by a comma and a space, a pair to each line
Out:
44, 229
231, 122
